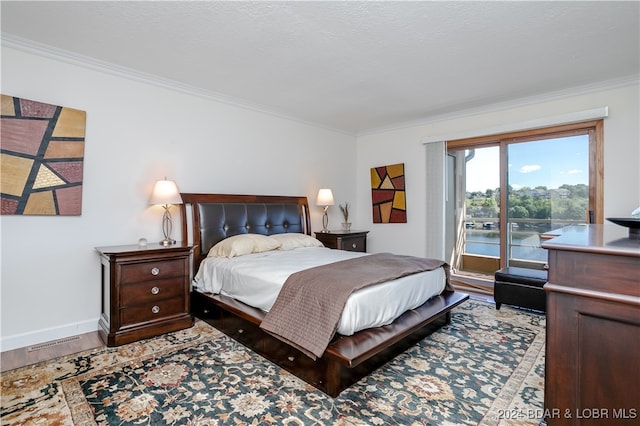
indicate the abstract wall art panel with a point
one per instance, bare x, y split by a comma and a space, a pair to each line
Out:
41, 158
388, 194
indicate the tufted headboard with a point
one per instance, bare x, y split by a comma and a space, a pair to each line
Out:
209, 218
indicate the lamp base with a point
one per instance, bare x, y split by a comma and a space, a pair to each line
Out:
166, 228
167, 242
325, 221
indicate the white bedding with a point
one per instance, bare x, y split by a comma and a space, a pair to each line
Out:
256, 279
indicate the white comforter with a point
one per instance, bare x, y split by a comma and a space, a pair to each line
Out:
256, 279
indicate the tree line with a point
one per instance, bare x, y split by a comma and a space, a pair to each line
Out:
567, 202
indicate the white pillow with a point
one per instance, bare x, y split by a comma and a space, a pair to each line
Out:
294, 240
242, 244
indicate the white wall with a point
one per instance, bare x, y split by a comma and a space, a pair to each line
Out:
621, 159
137, 133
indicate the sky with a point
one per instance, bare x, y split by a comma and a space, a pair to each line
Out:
549, 163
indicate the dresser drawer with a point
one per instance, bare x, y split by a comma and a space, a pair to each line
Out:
151, 311
136, 272
150, 291
353, 243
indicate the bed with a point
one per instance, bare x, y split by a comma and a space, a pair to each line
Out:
352, 353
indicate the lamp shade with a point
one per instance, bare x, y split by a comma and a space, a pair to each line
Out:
165, 192
325, 197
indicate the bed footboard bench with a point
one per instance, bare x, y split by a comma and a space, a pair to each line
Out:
347, 359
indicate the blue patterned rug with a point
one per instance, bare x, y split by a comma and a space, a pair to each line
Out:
486, 367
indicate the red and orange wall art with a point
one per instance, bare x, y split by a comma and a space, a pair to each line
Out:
41, 158
388, 194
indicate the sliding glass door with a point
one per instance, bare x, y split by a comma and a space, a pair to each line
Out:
513, 189
481, 248
547, 189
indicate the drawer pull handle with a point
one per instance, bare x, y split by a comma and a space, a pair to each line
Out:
241, 331
155, 290
155, 271
291, 358
354, 245
155, 309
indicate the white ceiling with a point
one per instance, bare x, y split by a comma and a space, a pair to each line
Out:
351, 66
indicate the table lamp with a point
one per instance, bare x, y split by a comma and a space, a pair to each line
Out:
325, 199
165, 193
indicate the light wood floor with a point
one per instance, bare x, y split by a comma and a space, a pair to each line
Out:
49, 350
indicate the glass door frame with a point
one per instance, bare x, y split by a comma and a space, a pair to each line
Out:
595, 131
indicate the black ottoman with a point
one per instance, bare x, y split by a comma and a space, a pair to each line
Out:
520, 287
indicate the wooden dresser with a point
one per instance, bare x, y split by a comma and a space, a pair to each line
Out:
592, 373
344, 240
145, 291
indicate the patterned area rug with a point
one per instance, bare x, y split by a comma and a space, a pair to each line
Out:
486, 367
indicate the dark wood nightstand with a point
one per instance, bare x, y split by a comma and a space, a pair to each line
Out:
145, 291
344, 240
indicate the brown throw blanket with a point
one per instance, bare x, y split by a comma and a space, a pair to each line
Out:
308, 309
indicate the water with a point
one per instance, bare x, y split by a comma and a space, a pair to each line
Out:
524, 246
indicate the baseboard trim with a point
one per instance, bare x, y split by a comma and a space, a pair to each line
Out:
17, 341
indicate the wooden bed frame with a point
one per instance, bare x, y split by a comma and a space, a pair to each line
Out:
209, 218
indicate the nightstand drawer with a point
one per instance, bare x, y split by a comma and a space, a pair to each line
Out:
353, 243
344, 240
150, 291
152, 311
136, 272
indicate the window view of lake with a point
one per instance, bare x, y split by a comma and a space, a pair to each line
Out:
523, 246
531, 213
516, 188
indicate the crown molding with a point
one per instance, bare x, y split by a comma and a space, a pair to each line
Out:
517, 103
538, 123
62, 55
50, 52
